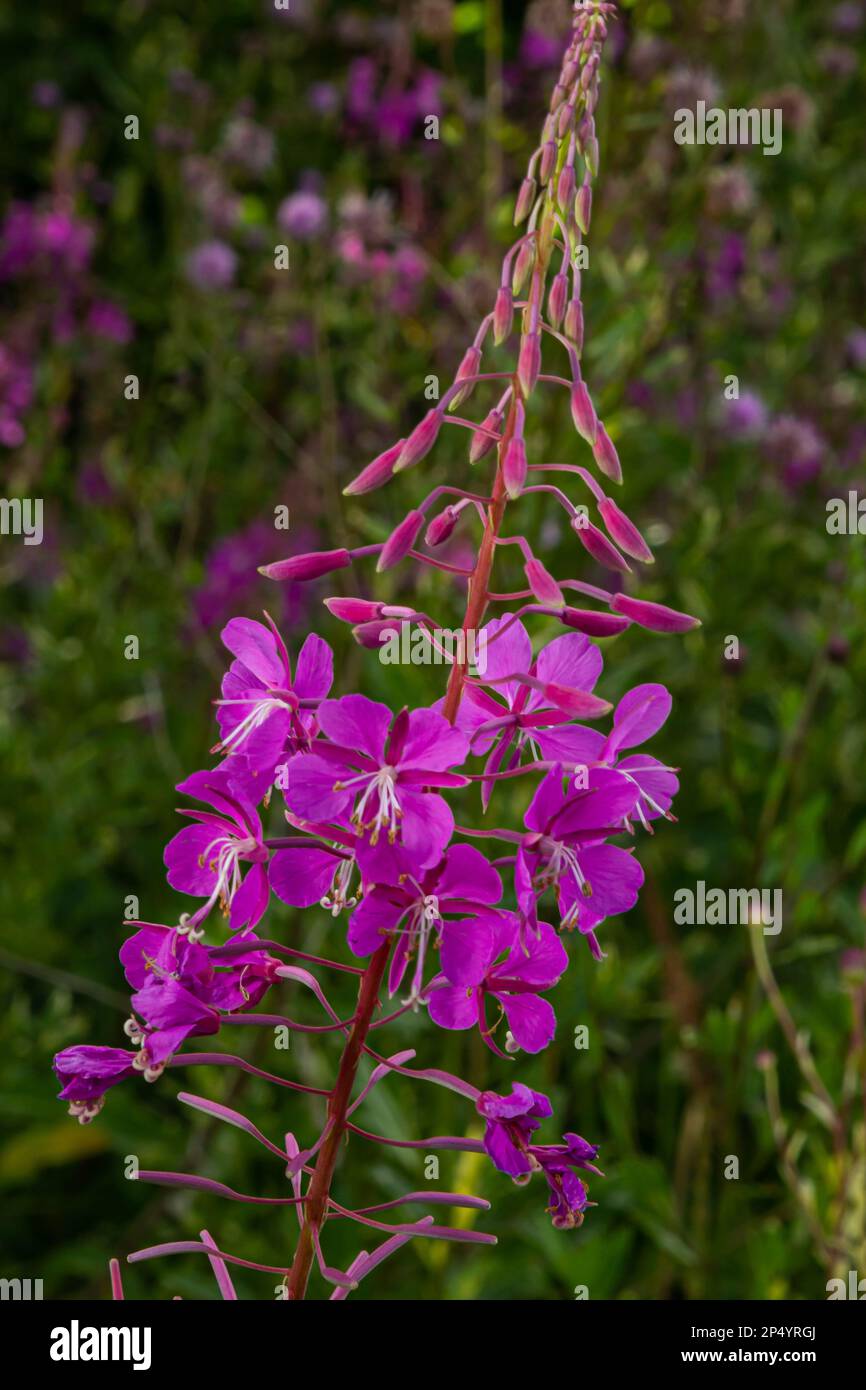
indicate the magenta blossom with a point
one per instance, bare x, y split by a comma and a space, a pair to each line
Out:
639, 715
484, 957
374, 776
566, 850
415, 909
260, 714
205, 859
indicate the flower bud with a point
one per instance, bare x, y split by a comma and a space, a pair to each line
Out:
557, 96
420, 441
483, 442
594, 624
583, 413
468, 368
311, 566
556, 298
564, 119
548, 161
400, 541
442, 526
606, 456
654, 616
523, 264
543, 585
525, 199
573, 327
565, 187
514, 466
503, 315
376, 473
590, 154
354, 610
529, 362
583, 207
598, 545
578, 703
375, 634
624, 531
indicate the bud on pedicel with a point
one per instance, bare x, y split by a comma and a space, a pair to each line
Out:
400, 541
311, 566
598, 546
565, 187
583, 413
376, 634
566, 116
578, 703
529, 362
654, 616
557, 297
590, 154
606, 456
482, 442
525, 199
583, 207
468, 368
624, 531
354, 610
594, 624
376, 473
543, 585
573, 327
548, 161
522, 266
442, 526
514, 466
503, 315
420, 441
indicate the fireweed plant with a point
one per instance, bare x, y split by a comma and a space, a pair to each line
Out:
366, 790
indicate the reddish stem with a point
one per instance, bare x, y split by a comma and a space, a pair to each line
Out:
315, 1206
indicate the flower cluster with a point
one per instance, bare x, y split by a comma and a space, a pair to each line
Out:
369, 794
